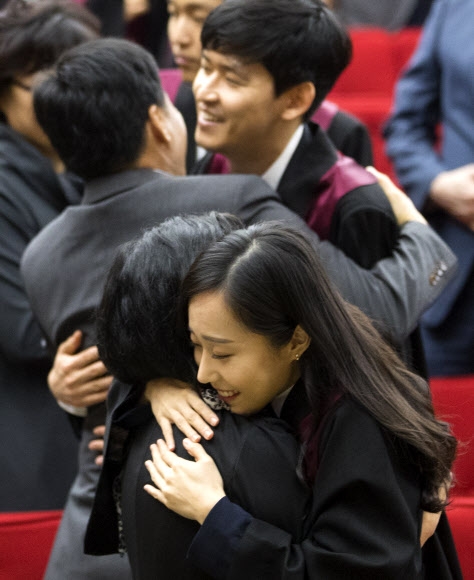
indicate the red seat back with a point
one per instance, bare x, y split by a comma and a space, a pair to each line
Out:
26, 539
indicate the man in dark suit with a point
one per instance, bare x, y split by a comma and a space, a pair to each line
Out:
186, 17
105, 113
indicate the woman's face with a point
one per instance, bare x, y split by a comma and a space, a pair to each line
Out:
247, 371
17, 105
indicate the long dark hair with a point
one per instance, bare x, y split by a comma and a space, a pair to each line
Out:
272, 280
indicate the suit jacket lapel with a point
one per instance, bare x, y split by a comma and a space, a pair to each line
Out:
312, 159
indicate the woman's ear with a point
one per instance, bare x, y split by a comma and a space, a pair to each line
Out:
299, 342
298, 100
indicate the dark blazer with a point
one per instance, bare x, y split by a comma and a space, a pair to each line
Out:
363, 480
32, 426
395, 291
363, 523
332, 194
257, 458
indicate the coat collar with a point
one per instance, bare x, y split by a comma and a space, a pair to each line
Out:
313, 157
101, 188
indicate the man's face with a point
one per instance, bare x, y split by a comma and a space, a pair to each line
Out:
238, 113
186, 18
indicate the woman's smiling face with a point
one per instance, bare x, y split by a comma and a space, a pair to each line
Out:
247, 371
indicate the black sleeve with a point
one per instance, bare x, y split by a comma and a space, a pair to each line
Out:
364, 226
364, 522
351, 137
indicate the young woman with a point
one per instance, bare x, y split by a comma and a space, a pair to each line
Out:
267, 326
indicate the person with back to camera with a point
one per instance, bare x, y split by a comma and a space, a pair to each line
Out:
266, 325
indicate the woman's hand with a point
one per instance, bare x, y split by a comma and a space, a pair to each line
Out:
97, 445
189, 488
429, 524
175, 402
429, 520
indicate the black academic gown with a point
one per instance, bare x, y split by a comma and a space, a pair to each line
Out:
257, 458
363, 479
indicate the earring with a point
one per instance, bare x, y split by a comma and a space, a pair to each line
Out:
297, 356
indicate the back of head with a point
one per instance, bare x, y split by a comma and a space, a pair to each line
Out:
139, 338
94, 105
295, 40
34, 34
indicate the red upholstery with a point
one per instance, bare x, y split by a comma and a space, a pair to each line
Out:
461, 518
25, 543
366, 87
453, 399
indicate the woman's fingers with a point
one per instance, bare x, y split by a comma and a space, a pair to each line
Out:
194, 449
154, 492
167, 429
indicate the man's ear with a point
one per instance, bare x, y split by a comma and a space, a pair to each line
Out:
157, 124
298, 100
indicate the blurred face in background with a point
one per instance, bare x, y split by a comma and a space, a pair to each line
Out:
16, 103
186, 18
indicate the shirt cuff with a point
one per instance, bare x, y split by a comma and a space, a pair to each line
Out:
215, 544
72, 410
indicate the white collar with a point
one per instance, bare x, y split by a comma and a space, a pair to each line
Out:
275, 172
279, 401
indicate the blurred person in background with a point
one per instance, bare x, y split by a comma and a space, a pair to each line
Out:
389, 14
33, 190
430, 139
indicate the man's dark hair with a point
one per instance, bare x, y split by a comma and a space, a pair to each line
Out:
34, 34
94, 105
295, 40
